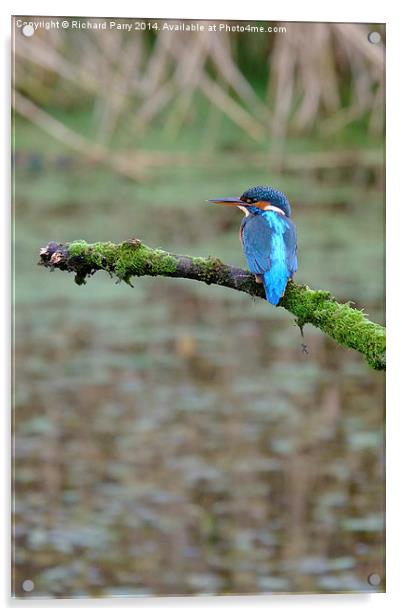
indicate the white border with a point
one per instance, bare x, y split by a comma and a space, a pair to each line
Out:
341, 10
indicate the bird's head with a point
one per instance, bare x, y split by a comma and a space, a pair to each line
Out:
258, 199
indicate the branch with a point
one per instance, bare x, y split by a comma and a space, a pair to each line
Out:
346, 325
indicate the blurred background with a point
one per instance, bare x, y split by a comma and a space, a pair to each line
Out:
173, 438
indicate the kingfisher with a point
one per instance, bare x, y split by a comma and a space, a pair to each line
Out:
268, 237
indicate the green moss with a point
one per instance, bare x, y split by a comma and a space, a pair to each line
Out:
161, 262
101, 255
347, 325
210, 270
78, 248
136, 259
104, 255
131, 258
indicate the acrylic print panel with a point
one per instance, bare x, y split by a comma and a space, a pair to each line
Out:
173, 437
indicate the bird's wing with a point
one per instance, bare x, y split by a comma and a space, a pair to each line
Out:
256, 238
290, 240
267, 239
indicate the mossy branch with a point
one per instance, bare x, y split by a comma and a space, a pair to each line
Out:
347, 325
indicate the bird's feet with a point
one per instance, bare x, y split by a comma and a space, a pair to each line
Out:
258, 278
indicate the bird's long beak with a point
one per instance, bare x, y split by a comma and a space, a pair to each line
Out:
228, 201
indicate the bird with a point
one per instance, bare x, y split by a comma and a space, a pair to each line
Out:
268, 236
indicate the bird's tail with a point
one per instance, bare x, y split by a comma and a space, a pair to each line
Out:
275, 282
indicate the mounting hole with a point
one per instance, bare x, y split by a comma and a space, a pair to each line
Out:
28, 30
374, 579
374, 37
28, 585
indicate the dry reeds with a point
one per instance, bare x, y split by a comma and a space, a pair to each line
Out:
318, 79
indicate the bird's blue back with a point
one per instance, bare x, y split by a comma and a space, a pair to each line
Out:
270, 247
